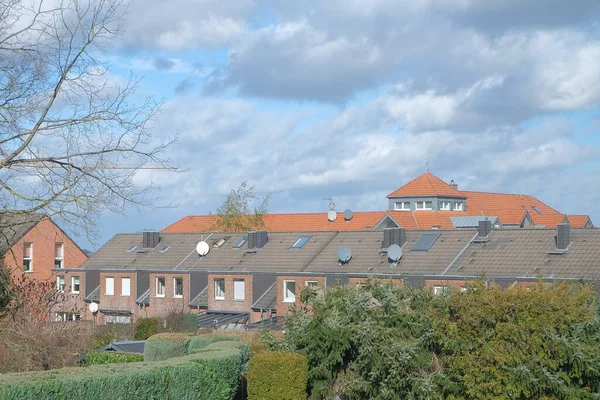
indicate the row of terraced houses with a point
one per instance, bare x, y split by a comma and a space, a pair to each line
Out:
447, 238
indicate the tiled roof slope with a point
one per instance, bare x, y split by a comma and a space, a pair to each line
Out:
14, 226
426, 184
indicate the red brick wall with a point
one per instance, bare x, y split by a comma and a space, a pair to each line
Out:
283, 307
229, 304
362, 281
162, 306
43, 236
430, 283
73, 302
117, 301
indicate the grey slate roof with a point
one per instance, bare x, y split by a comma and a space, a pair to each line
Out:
14, 226
94, 295
136, 346
201, 299
471, 221
268, 299
144, 298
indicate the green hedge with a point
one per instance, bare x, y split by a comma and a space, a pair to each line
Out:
212, 374
277, 376
111, 357
168, 345
146, 327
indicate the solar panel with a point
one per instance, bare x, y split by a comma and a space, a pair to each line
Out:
426, 240
301, 242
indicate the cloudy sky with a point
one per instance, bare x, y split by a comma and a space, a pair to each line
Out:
352, 98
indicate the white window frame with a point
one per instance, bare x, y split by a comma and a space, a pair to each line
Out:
28, 257
445, 206
438, 290
117, 319
311, 283
159, 285
59, 260
175, 295
58, 283
422, 206
73, 284
110, 292
219, 294
458, 206
402, 206
239, 294
63, 316
123, 280
286, 298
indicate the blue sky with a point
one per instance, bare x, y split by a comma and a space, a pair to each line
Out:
351, 99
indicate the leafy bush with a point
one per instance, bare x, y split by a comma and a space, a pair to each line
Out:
146, 327
212, 374
168, 345
181, 322
111, 357
277, 376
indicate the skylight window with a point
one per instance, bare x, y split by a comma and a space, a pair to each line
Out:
301, 242
219, 242
164, 249
537, 210
131, 248
426, 240
241, 242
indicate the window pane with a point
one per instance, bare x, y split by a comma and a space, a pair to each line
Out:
60, 283
289, 288
219, 288
75, 284
125, 286
160, 286
239, 289
58, 250
178, 284
110, 286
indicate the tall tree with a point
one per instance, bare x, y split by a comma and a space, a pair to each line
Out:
236, 214
72, 137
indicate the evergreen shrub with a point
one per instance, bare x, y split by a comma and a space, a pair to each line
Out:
146, 327
111, 357
277, 376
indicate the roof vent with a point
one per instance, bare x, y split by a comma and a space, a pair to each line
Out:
257, 240
150, 239
395, 236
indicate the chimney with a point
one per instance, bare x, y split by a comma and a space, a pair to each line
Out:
454, 185
257, 240
485, 227
563, 236
150, 239
394, 236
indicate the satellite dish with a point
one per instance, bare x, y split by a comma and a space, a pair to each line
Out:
93, 307
331, 205
394, 252
331, 215
348, 214
202, 248
344, 254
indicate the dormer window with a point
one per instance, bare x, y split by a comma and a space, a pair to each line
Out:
458, 206
402, 205
445, 206
423, 205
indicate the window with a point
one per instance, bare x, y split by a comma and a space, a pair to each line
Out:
125, 286
160, 286
117, 319
537, 210
60, 283
301, 242
437, 290
239, 289
58, 255
289, 291
423, 205
110, 286
75, 284
218, 243
445, 206
67, 316
131, 248
241, 242
402, 206
164, 249
311, 283
178, 287
27, 257
458, 206
219, 289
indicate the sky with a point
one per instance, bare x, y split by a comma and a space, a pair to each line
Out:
350, 99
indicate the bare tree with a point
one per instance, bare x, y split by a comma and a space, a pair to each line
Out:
72, 137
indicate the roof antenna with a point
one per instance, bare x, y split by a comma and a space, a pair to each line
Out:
427, 169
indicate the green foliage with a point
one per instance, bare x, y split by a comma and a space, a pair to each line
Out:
102, 339
236, 215
380, 340
6, 294
168, 345
146, 327
277, 376
212, 374
111, 357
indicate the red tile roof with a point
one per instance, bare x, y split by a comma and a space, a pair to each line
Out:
426, 184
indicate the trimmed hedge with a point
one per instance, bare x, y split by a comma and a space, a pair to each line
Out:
168, 345
146, 327
212, 374
111, 357
277, 376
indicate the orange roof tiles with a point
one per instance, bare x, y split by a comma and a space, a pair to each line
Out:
580, 221
426, 184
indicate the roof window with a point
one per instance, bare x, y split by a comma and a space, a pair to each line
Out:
219, 243
164, 249
241, 242
426, 240
131, 248
301, 242
537, 210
